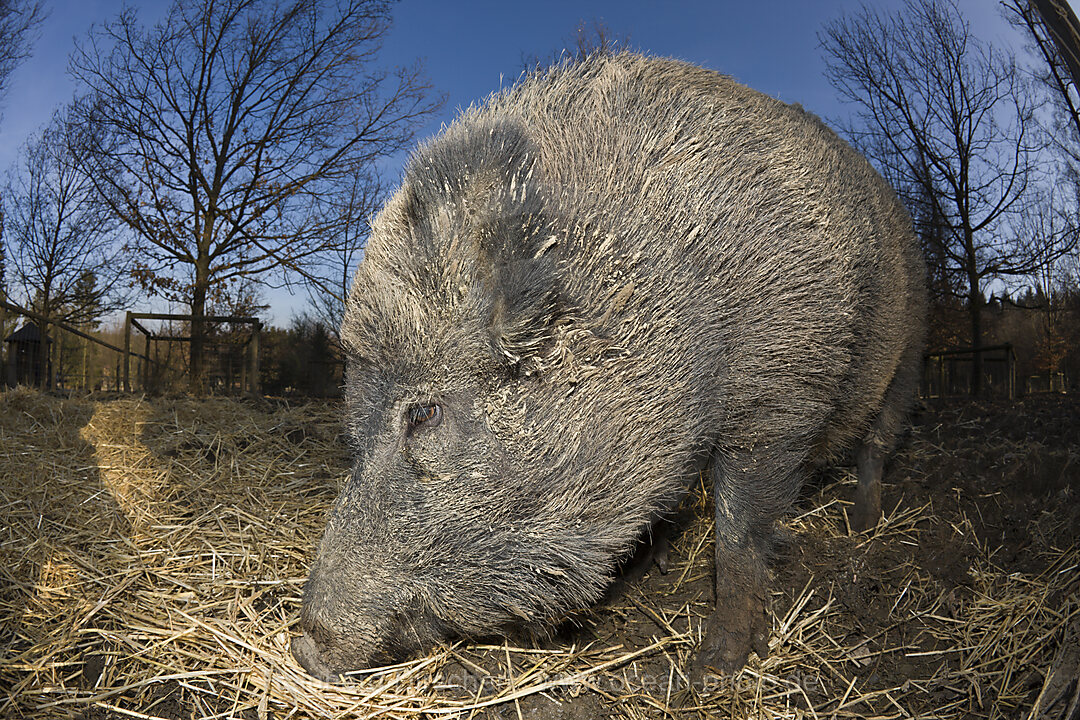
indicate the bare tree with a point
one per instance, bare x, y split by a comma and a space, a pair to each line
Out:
60, 239
1054, 73
218, 131
18, 19
1050, 216
330, 275
589, 38
949, 114
3, 283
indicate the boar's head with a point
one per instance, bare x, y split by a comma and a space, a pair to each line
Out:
459, 518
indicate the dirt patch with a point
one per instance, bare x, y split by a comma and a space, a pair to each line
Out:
153, 554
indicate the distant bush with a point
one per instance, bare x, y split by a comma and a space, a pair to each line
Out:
303, 359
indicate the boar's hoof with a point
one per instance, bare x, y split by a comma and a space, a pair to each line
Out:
306, 653
660, 554
865, 518
648, 555
737, 626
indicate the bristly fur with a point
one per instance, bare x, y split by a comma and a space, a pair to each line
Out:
605, 277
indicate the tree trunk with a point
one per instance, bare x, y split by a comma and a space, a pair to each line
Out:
198, 324
1064, 29
3, 337
57, 375
975, 301
86, 363
43, 331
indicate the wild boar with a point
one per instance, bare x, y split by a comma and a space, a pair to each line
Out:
590, 288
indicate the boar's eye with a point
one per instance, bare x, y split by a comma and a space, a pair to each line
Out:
427, 415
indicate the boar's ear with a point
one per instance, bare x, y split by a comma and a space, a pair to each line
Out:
508, 205
526, 303
480, 190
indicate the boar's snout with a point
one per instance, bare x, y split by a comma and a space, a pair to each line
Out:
344, 631
307, 653
327, 656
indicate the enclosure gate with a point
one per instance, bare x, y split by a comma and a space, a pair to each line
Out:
36, 349
949, 372
249, 379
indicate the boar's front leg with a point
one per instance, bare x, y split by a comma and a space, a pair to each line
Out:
751, 489
870, 464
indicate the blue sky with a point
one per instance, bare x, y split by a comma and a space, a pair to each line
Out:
469, 48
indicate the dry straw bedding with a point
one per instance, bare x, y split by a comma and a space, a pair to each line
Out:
153, 553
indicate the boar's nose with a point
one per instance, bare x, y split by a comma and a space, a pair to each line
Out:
306, 652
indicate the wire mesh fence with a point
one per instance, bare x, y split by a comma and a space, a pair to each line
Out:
151, 353
40, 352
951, 373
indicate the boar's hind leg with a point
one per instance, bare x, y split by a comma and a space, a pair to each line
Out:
872, 450
751, 490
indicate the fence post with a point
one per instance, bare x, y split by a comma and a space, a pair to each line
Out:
245, 363
85, 363
3, 339
43, 354
255, 385
127, 352
1010, 360
146, 364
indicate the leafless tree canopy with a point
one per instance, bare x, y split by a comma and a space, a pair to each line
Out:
220, 131
18, 18
62, 255
947, 119
1057, 55
589, 38
330, 273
